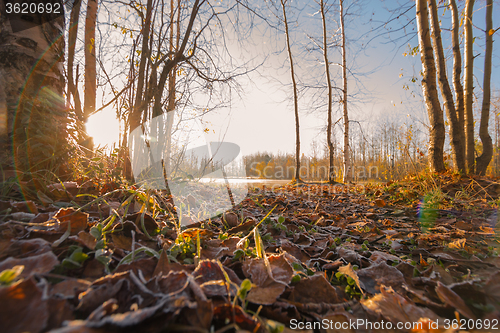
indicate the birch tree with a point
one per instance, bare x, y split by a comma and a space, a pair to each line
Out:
449, 104
433, 106
484, 159
468, 86
331, 150
346, 162
295, 93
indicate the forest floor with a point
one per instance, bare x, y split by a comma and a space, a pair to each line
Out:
418, 255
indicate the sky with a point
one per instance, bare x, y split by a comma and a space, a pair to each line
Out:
262, 118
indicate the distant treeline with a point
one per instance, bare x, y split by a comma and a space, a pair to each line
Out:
388, 152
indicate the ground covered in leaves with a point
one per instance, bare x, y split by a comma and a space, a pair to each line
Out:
419, 255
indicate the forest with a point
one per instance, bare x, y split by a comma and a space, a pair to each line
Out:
249, 166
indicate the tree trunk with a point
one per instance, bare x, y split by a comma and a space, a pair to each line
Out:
295, 96
485, 158
72, 36
32, 107
347, 166
437, 131
90, 68
468, 84
457, 84
135, 117
171, 85
329, 125
449, 104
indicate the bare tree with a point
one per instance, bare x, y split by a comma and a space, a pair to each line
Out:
449, 104
72, 36
329, 125
295, 93
468, 86
90, 67
437, 130
347, 167
484, 159
457, 84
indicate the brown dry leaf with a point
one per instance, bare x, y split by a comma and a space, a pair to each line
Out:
24, 206
42, 263
349, 255
121, 241
23, 308
78, 220
26, 248
373, 277
70, 288
281, 269
149, 222
348, 271
294, 250
492, 290
212, 279
60, 310
66, 190
87, 240
462, 225
164, 265
94, 269
266, 289
102, 290
245, 226
143, 266
231, 219
380, 203
449, 297
378, 256
78, 326
396, 308
193, 233
226, 313
107, 209
315, 289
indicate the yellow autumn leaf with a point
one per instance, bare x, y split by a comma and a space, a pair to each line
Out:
458, 244
491, 32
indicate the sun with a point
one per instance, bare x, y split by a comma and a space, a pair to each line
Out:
104, 128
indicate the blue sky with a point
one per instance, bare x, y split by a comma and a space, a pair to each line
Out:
263, 120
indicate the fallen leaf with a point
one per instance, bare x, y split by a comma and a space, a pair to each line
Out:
266, 289
78, 220
396, 308
373, 277
348, 271
448, 296
226, 313
42, 263
231, 219
70, 288
457, 244
492, 290
23, 308
314, 289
